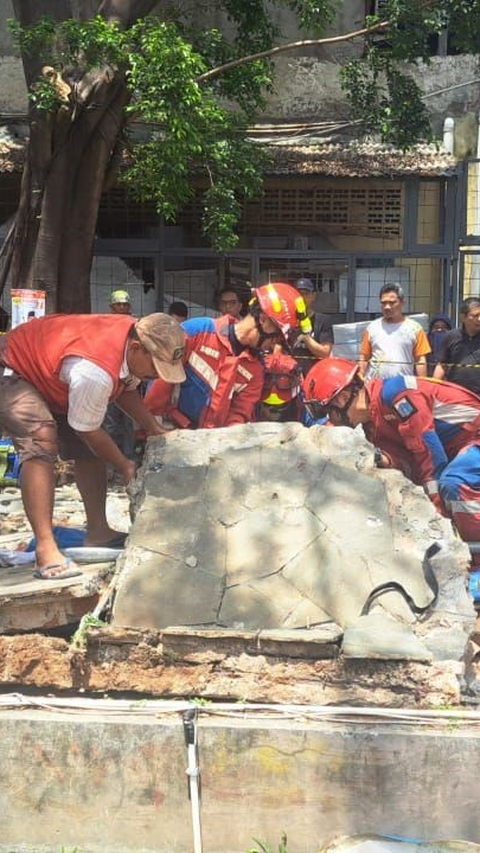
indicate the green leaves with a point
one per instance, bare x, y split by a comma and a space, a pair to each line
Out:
382, 95
83, 44
387, 102
197, 123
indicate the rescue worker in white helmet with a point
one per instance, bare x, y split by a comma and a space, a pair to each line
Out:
223, 363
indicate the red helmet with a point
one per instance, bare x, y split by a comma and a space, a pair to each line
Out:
282, 381
327, 378
284, 306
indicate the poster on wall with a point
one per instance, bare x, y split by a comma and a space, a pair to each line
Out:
26, 305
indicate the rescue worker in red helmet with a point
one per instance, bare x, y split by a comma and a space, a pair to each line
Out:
223, 364
281, 399
430, 430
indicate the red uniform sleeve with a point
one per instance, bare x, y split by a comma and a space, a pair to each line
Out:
416, 429
242, 409
157, 398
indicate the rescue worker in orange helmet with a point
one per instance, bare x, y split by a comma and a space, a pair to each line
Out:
223, 365
281, 392
430, 430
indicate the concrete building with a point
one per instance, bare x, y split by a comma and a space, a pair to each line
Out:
349, 214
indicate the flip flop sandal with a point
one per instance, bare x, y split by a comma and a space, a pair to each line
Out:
40, 572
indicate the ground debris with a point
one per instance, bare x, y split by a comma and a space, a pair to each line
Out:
131, 661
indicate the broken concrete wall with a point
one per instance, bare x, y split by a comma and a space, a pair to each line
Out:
108, 778
273, 526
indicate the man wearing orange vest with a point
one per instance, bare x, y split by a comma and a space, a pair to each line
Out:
57, 375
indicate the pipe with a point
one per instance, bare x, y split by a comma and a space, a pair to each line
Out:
190, 729
449, 135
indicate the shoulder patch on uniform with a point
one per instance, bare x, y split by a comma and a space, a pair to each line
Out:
404, 408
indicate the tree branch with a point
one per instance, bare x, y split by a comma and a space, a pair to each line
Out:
283, 48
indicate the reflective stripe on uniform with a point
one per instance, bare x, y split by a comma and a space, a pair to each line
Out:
454, 413
431, 487
203, 369
470, 507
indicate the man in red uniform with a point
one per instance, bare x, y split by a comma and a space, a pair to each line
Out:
224, 367
430, 430
58, 374
281, 393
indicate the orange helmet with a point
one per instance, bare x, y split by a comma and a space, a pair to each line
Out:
284, 305
280, 400
325, 380
282, 381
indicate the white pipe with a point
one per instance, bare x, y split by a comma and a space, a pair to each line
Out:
190, 728
449, 135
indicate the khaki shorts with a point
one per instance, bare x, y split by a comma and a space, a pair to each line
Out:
23, 411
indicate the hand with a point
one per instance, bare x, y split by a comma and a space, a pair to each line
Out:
300, 339
381, 459
129, 471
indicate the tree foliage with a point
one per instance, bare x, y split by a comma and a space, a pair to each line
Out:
96, 79
196, 128
381, 92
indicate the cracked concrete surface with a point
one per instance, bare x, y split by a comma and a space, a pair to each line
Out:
273, 526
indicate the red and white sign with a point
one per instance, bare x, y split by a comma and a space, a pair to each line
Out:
26, 305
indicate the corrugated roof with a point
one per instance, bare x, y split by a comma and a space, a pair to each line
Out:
358, 160
340, 159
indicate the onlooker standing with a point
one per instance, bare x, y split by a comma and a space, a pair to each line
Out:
310, 348
179, 310
461, 348
120, 302
230, 303
439, 325
393, 344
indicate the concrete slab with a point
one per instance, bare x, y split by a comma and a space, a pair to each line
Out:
27, 603
271, 526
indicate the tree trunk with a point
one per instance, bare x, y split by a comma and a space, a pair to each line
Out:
68, 158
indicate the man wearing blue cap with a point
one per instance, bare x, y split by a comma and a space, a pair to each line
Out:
310, 348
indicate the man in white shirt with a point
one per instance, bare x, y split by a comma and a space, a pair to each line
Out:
61, 372
393, 344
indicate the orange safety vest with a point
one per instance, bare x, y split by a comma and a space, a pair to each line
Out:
35, 350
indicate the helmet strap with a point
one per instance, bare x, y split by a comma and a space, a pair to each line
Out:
342, 411
263, 335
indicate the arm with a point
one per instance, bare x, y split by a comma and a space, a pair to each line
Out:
444, 358
243, 402
316, 348
365, 354
132, 404
102, 446
421, 365
321, 342
421, 349
439, 372
416, 430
